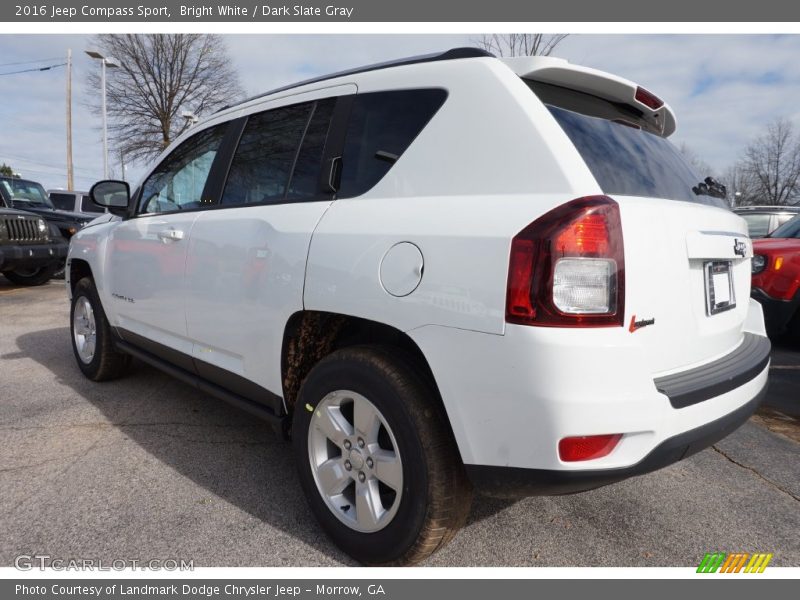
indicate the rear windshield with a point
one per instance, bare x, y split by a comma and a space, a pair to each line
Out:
624, 158
62, 201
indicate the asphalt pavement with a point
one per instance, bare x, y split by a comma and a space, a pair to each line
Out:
145, 467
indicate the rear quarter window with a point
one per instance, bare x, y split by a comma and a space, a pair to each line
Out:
382, 126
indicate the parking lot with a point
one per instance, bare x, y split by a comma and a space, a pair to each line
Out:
146, 468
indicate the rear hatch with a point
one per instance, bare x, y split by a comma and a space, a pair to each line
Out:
687, 256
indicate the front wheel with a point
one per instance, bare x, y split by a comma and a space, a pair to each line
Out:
92, 341
376, 460
31, 277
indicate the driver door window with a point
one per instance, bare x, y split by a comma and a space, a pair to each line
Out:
177, 183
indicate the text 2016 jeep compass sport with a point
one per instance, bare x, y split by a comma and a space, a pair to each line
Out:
448, 273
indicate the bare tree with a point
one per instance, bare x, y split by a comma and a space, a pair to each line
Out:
160, 77
772, 165
520, 44
695, 161
740, 184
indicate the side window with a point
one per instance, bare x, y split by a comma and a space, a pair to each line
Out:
382, 126
88, 206
62, 201
305, 177
178, 182
267, 150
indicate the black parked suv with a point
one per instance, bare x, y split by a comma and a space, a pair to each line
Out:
31, 250
30, 196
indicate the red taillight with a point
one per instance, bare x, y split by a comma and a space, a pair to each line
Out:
587, 236
586, 228
520, 272
648, 98
574, 449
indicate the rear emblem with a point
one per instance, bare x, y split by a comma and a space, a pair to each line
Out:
739, 248
641, 323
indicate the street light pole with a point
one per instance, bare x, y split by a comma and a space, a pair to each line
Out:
105, 62
105, 118
70, 179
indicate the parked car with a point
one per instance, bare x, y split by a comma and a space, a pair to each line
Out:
30, 249
437, 275
776, 278
30, 196
763, 220
79, 202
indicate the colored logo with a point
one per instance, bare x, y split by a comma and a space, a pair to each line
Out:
640, 323
735, 562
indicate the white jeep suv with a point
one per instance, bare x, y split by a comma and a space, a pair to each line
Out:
443, 274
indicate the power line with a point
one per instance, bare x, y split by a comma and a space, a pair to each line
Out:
39, 163
29, 62
86, 178
47, 68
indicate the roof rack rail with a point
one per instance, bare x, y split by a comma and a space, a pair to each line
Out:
451, 54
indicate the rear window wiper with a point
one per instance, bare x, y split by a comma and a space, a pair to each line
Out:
711, 187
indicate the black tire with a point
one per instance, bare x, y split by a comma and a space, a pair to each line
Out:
31, 277
107, 362
436, 495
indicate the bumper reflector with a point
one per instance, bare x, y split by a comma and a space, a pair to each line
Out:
573, 449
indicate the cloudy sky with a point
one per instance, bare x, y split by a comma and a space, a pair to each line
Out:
724, 88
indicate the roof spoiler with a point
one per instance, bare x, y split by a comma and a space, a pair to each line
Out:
557, 71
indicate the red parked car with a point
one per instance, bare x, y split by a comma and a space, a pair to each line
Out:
776, 278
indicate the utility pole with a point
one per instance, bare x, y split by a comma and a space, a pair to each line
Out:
70, 181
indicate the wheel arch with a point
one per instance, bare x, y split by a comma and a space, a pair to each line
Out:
310, 336
78, 269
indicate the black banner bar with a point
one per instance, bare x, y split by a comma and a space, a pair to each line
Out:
397, 11
731, 587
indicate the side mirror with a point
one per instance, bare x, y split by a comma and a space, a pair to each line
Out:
113, 195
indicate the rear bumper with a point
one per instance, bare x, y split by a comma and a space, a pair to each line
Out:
36, 255
717, 377
510, 399
515, 483
777, 313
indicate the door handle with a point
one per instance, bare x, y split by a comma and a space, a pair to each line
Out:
170, 235
334, 174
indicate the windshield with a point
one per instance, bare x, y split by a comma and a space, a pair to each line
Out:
790, 229
628, 161
24, 192
622, 148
